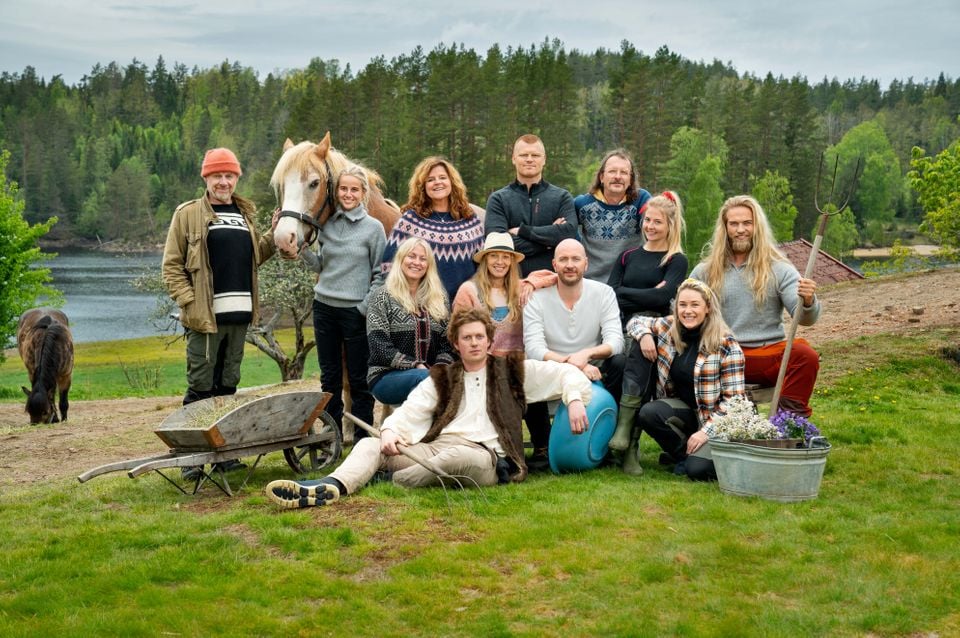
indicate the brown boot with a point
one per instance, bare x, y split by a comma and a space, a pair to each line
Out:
629, 404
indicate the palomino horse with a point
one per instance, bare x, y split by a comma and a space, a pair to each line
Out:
46, 349
304, 181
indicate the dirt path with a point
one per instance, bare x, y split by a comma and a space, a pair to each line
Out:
99, 432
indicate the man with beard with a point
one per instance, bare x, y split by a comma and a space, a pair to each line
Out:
209, 267
611, 213
577, 322
756, 283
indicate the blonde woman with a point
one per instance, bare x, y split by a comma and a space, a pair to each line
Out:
698, 368
497, 287
346, 260
645, 279
407, 324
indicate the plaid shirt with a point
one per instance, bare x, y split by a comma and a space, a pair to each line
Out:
717, 376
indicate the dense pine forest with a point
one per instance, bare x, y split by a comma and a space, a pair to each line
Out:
113, 155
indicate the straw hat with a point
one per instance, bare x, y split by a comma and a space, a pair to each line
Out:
498, 241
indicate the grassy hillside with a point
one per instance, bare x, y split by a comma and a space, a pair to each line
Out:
575, 555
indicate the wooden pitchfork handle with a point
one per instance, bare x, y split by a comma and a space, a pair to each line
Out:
372, 431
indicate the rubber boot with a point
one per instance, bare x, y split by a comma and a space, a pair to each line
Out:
629, 404
631, 458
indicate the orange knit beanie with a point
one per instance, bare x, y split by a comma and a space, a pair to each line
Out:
220, 160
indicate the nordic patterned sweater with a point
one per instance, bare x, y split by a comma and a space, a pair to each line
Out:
607, 230
396, 336
454, 243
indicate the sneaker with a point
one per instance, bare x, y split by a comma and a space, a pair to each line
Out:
538, 461
296, 494
191, 473
230, 466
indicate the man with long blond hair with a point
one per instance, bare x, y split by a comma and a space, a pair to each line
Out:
756, 283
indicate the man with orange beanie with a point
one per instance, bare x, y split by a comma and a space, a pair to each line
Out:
210, 265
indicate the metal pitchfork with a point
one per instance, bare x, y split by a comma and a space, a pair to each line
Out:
825, 214
456, 479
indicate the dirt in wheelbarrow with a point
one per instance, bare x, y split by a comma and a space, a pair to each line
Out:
100, 432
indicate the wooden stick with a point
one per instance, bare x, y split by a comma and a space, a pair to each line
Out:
372, 431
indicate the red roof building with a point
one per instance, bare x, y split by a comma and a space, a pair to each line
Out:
826, 269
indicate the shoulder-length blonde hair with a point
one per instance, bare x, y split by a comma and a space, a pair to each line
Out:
668, 203
717, 253
713, 330
419, 202
430, 296
511, 286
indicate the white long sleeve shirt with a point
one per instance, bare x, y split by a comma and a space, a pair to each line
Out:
543, 381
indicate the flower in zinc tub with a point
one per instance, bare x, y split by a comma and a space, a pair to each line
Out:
794, 426
741, 423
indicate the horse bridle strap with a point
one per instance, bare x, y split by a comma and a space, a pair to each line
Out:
310, 220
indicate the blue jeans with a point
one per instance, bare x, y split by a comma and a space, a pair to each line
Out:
341, 333
393, 387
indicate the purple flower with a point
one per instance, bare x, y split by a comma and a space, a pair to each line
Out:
794, 426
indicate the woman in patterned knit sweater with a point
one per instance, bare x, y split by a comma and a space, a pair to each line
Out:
407, 324
438, 211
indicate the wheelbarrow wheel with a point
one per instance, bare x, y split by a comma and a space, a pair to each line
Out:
316, 456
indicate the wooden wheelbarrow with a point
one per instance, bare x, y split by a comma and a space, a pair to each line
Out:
294, 422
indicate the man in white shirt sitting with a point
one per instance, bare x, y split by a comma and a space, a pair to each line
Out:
465, 418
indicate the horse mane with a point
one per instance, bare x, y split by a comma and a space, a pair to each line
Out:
301, 158
50, 356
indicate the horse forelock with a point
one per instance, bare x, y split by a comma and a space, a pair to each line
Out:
300, 159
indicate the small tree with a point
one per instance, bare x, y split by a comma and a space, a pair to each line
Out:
285, 287
703, 199
937, 182
23, 283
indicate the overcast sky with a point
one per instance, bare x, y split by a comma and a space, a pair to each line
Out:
882, 39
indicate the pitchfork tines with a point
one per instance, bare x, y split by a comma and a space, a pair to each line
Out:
825, 210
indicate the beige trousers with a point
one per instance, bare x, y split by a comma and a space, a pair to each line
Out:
452, 454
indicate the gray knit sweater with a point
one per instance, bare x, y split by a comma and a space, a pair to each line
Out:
760, 326
348, 255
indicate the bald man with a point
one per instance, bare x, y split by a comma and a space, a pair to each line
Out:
577, 322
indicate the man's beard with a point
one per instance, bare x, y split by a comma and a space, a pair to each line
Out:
741, 246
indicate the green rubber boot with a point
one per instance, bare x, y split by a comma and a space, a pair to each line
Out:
629, 404
631, 458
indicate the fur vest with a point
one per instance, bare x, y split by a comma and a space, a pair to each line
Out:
506, 404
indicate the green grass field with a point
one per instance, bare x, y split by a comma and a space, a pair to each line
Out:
597, 554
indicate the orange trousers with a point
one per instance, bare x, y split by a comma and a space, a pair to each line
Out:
763, 366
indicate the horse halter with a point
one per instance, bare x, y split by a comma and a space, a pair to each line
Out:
309, 220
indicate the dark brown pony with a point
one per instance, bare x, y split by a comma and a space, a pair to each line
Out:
46, 349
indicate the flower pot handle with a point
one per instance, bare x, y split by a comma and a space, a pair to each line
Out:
818, 442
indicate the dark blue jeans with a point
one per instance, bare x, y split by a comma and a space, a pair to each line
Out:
394, 386
338, 331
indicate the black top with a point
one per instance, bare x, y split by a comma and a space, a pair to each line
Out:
681, 370
231, 261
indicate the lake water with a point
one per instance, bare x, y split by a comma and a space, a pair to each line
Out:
101, 302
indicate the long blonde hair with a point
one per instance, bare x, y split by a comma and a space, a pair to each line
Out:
668, 203
713, 330
431, 295
717, 254
419, 202
511, 286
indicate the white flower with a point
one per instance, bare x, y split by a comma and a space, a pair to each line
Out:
741, 422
